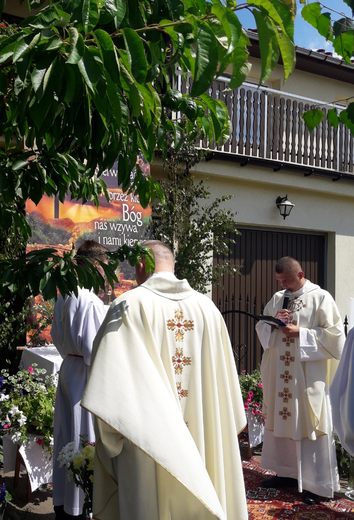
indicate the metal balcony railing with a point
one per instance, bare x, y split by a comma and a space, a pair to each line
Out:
267, 124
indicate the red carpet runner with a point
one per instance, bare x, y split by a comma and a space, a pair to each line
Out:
285, 504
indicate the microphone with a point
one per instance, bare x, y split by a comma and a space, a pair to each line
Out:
286, 299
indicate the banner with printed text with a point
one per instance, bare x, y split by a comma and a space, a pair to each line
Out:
121, 220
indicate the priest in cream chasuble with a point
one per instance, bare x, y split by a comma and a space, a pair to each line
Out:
342, 392
168, 407
298, 362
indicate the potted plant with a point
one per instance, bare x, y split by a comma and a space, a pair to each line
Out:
27, 406
252, 395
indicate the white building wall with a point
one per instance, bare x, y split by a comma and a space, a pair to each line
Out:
321, 206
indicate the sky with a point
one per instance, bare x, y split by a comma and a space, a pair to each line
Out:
305, 35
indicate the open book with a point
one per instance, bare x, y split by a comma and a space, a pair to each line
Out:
275, 322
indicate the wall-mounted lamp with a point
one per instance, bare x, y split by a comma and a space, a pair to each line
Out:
284, 206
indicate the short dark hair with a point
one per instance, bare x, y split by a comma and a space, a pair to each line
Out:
287, 264
91, 249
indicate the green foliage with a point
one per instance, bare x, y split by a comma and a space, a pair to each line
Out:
343, 459
192, 227
13, 308
340, 32
312, 118
85, 81
27, 405
252, 391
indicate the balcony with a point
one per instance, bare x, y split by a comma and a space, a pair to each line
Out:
267, 128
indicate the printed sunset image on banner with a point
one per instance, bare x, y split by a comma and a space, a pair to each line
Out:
120, 221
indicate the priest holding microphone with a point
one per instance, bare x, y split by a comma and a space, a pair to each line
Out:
298, 362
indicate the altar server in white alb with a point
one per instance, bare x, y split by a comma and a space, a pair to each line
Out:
342, 396
75, 325
168, 408
298, 362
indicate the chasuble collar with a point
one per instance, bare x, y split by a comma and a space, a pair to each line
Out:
167, 287
307, 287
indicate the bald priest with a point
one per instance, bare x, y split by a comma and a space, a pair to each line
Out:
167, 403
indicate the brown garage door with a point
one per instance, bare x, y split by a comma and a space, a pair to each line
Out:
257, 251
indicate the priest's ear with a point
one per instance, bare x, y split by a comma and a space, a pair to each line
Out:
140, 272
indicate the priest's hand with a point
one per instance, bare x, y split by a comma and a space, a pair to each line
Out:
283, 315
290, 330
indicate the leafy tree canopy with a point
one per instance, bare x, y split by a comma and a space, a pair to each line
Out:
195, 228
339, 30
85, 81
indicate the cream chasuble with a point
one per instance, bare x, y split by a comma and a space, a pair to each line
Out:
342, 392
295, 373
164, 389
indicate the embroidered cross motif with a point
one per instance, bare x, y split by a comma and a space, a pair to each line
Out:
284, 412
287, 359
179, 325
181, 392
180, 361
286, 376
285, 395
296, 305
287, 341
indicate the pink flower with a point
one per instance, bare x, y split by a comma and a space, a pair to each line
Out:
40, 442
258, 412
256, 405
243, 371
260, 385
250, 394
245, 406
249, 400
253, 412
7, 426
30, 370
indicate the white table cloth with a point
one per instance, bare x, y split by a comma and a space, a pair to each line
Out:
39, 465
46, 357
255, 430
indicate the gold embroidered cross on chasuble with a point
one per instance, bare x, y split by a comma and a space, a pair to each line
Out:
179, 325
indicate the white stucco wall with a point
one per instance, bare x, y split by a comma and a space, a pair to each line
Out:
321, 205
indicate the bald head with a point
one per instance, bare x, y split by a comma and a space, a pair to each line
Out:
164, 260
289, 274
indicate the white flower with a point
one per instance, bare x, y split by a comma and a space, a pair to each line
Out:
14, 409
4, 397
22, 420
15, 437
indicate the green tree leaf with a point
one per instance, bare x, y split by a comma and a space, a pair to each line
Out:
313, 15
332, 117
24, 45
108, 54
206, 60
77, 46
312, 118
113, 9
89, 69
268, 45
89, 14
136, 54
